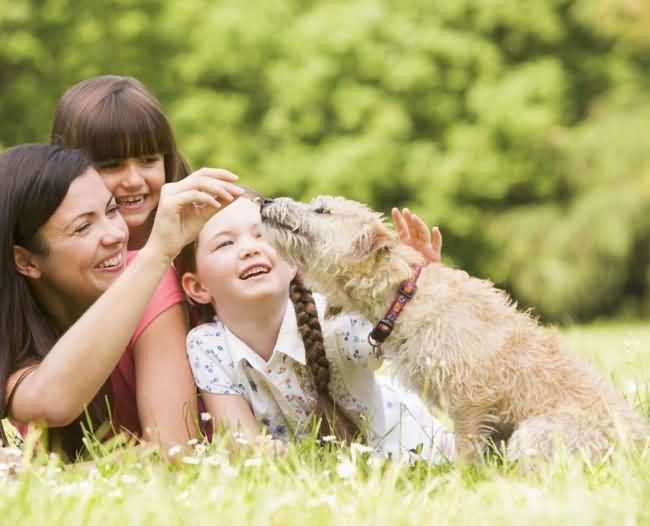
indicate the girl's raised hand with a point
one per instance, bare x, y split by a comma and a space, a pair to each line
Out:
415, 233
185, 206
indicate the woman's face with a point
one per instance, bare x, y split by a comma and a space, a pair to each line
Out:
234, 262
86, 241
136, 184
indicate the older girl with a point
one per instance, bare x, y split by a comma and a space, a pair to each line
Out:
123, 129
271, 359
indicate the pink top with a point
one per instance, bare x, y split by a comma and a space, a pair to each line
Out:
124, 407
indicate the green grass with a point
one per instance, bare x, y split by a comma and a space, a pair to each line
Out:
335, 485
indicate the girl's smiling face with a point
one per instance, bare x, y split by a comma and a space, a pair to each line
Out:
234, 262
136, 183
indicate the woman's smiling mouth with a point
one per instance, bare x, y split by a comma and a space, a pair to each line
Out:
113, 263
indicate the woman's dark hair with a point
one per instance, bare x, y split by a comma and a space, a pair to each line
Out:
333, 421
34, 180
115, 118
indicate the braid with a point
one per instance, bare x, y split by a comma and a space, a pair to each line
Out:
333, 421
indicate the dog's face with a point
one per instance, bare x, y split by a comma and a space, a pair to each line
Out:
328, 235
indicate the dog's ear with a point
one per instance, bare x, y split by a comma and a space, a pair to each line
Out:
373, 239
383, 238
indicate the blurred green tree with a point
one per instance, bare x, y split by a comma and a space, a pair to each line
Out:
518, 127
48, 45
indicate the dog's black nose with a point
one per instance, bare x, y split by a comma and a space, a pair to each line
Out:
265, 202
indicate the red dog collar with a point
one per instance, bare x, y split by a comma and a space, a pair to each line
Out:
384, 327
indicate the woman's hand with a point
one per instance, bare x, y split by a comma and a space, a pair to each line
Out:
185, 206
415, 233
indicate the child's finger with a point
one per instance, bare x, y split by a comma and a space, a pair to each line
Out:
400, 225
436, 241
418, 228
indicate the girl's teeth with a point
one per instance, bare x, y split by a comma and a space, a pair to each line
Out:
253, 271
129, 201
113, 262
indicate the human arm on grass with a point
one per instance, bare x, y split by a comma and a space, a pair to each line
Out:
69, 377
233, 413
222, 388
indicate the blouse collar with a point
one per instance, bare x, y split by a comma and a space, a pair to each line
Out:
289, 342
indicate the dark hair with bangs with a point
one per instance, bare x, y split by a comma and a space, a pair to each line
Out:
34, 180
115, 118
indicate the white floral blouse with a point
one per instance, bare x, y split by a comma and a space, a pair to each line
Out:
282, 395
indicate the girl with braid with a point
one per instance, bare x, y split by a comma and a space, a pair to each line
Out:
266, 356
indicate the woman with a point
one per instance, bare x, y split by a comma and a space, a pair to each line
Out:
69, 305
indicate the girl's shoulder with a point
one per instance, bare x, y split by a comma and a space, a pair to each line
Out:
210, 331
209, 341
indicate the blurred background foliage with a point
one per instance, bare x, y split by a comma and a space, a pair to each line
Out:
520, 127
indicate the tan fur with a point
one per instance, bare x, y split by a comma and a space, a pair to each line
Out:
461, 343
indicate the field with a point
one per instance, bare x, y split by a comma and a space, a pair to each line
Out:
312, 485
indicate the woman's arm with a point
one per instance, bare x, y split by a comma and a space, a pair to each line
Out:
70, 375
165, 390
83, 358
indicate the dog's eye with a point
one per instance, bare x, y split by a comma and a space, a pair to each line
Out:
322, 210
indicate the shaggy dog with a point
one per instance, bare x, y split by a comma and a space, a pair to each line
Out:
460, 342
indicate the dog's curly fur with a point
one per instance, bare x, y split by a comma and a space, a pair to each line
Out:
461, 343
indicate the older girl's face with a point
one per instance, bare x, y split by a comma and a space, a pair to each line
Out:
136, 183
86, 240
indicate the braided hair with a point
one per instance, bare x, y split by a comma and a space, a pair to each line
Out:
333, 421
